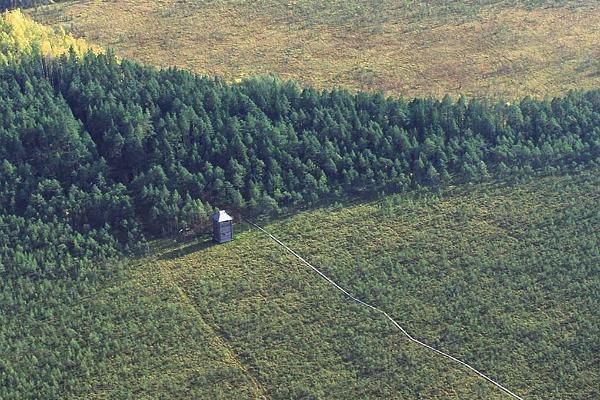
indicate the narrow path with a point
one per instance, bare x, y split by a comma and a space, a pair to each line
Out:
217, 341
396, 324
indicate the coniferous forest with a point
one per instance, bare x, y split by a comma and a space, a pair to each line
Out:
98, 155
113, 152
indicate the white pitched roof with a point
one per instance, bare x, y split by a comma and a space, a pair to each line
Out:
221, 216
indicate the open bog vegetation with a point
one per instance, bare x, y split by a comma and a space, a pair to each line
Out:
509, 48
504, 276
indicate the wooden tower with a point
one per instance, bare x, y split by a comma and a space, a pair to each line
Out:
222, 227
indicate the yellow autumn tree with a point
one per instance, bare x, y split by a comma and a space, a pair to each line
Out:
19, 35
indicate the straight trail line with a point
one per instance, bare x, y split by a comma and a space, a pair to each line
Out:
218, 341
396, 324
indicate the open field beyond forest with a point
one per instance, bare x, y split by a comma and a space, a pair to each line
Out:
496, 48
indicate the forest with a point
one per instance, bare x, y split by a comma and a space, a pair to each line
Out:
100, 155
114, 151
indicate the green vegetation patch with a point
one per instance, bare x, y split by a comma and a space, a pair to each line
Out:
131, 334
503, 276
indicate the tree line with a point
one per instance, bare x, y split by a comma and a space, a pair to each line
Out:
115, 151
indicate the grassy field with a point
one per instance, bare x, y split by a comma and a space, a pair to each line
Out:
503, 276
506, 48
136, 336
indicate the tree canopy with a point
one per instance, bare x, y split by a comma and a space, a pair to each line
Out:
118, 149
